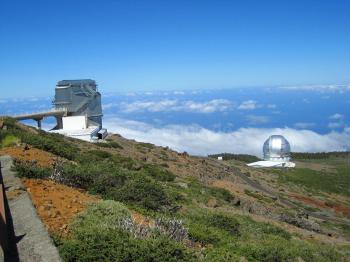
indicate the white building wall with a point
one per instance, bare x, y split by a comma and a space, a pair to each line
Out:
74, 123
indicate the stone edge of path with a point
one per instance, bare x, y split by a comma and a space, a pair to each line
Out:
34, 242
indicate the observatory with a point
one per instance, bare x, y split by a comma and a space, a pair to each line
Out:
77, 109
276, 150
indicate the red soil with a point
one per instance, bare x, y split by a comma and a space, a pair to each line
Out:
25, 153
57, 204
338, 208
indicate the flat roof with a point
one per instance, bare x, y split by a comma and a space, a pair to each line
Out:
76, 82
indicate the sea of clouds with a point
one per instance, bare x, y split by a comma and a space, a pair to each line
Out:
201, 141
202, 122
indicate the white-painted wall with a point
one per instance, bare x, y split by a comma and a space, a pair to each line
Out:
74, 122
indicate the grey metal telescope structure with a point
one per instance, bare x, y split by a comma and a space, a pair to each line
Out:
72, 98
77, 98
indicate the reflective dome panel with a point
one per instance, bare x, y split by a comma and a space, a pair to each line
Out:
276, 148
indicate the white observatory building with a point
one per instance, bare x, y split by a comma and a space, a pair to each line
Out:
276, 150
77, 109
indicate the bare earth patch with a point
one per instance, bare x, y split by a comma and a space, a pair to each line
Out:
57, 204
338, 208
25, 153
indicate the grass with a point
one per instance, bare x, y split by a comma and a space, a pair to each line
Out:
258, 196
9, 140
332, 182
141, 145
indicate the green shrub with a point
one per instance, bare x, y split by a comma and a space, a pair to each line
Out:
106, 214
114, 144
224, 222
159, 173
31, 170
125, 162
115, 245
142, 191
102, 233
110, 144
279, 249
141, 145
9, 140
93, 156
105, 183
78, 176
221, 193
203, 234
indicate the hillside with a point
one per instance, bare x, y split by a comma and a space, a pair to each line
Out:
122, 200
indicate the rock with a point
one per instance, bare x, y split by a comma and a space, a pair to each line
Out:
212, 202
300, 222
183, 185
14, 188
274, 198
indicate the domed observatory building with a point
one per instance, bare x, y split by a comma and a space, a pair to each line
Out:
276, 150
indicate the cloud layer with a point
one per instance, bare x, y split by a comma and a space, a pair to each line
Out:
215, 105
201, 141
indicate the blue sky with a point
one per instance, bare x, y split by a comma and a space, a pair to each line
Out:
164, 45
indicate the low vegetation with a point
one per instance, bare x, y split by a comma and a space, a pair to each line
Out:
181, 225
239, 157
322, 155
332, 182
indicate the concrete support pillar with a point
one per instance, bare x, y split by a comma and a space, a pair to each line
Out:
39, 123
59, 122
38, 120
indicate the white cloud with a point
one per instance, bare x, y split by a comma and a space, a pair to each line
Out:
201, 141
334, 125
336, 116
271, 106
207, 107
304, 125
320, 88
178, 92
248, 105
151, 106
109, 105
337, 121
215, 105
256, 120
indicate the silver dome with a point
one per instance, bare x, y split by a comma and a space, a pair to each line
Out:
276, 148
